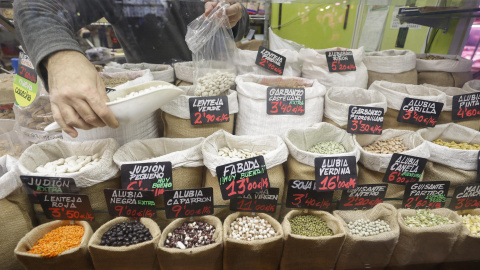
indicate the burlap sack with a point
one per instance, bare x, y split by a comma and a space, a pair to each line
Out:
396, 66
246, 63
252, 117
276, 156
184, 154
423, 248
452, 71
372, 252
176, 117
257, 254
339, 99
205, 257
76, 258
396, 93
140, 256
302, 252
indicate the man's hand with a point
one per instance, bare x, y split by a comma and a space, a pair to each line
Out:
77, 93
234, 12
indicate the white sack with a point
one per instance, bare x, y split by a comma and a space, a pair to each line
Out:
390, 61
9, 178
450, 92
246, 63
452, 63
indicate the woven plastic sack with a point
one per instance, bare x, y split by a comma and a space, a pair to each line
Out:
246, 63
278, 43
120, 78
396, 66
184, 71
472, 86
452, 70
160, 72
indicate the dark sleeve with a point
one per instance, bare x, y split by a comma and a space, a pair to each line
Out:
242, 27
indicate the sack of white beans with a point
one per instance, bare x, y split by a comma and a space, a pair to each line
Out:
246, 63
443, 70
216, 147
391, 65
315, 67
252, 117
339, 99
397, 92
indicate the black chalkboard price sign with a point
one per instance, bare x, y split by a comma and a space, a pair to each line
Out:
303, 194
362, 196
425, 194
208, 110
66, 206
404, 169
335, 173
465, 197
420, 112
365, 120
270, 60
153, 176
35, 185
285, 101
264, 201
188, 202
466, 106
130, 203
340, 61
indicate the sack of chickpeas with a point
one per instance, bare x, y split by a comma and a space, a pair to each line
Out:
184, 154
125, 244
248, 250
396, 66
176, 115
252, 117
36, 250
315, 67
371, 237
89, 163
453, 154
444, 70
313, 240
426, 238
397, 92
246, 63
377, 151
339, 99
223, 148
207, 247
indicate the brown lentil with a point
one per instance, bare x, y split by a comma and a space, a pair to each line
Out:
58, 240
388, 146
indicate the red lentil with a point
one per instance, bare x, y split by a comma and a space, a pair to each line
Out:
58, 240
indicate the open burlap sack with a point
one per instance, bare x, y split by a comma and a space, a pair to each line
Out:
277, 154
396, 93
252, 117
453, 70
315, 67
455, 165
372, 252
339, 99
423, 248
396, 66
372, 167
303, 252
257, 254
140, 256
204, 257
76, 258
176, 117
184, 154
246, 63
90, 181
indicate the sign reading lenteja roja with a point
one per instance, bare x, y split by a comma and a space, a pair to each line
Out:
466, 197
264, 201
303, 194
335, 173
35, 185
66, 206
130, 203
153, 176
363, 196
188, 202
420, 112
404, 169
425, 194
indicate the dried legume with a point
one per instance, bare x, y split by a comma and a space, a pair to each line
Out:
190, 235
434, 57
310, 225
69, 165
112, 82
388, 146
251, 228
424, 218
472, 222
126, 234
239, 153
144, 91
214, 84
365, 227
58, 240
454, 145
327, 148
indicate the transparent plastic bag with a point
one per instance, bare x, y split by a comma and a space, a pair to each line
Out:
10, 142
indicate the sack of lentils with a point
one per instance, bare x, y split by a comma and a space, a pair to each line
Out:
89, 163
371, 237
246, 63
397, 92
123, 243
377, 151
443, 70
56, 245
203, 249
184, 154
252, 118
176, 113
315, 67
309, 234
396, 66
339, 99
247, 246
222, 148
453, 154
426, 238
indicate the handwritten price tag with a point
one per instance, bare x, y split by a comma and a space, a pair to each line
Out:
270, 60
335, 173
426, 194
466, 197
35, 185
363, 197
208, 110
188, 202
303, 194
285, 101
466, 106
420, 112
404, 169
264, 201
130, 203
340, 61
152, 176
66, 206
365, 120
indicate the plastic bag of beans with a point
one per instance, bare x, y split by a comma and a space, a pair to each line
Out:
139, 256
423, 248
276, 155
256, 254
252, 118
302, 252
397, 92
374, 251
203, 257
443, 70
176, 117
396, 66
184, 154
373, 166
339, 99
246, 63
90, 181
74, 258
